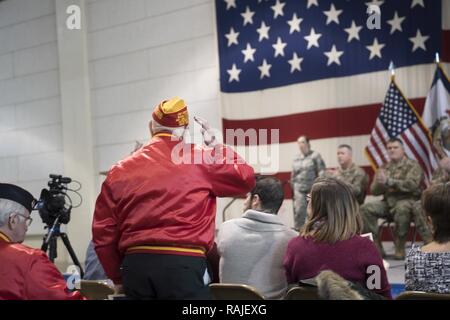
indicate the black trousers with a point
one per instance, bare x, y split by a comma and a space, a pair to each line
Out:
164, 277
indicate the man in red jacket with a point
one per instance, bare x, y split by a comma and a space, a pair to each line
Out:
154, 219
25, 273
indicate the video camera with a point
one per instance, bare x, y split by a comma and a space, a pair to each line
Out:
52, 204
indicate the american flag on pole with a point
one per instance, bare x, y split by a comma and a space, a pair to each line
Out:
399, 119
314, 67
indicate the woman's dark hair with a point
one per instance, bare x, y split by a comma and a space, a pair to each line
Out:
436, 203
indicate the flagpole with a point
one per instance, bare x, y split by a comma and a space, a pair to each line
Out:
437, 60
392, 70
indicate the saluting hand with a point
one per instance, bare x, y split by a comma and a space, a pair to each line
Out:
207, 132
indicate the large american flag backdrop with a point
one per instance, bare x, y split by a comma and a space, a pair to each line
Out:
314, 67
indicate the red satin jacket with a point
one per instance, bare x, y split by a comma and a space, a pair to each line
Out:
28, 274
150, 198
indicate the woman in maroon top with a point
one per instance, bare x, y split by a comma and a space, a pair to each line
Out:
330, 240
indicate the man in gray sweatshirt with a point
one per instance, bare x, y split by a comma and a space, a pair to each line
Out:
252, 248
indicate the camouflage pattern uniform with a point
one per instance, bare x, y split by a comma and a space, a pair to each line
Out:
439, 176
401, 191
357, 178
305, 169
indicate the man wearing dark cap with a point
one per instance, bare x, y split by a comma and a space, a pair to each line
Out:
154, 219
25, 273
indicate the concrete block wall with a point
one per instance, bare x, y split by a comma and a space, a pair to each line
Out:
30, 118
141, 52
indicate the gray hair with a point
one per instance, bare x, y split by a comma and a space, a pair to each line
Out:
156, 127
8, 207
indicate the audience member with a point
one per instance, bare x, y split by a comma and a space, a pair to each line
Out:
428, 267
25, 273
154, 218
252, 247
330, 240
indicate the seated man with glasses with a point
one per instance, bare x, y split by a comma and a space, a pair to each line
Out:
25, 273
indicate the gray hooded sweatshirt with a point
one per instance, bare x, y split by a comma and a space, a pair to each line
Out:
251, 252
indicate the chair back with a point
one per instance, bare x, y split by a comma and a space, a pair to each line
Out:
302, 293
231, 291
420, 295
95, 289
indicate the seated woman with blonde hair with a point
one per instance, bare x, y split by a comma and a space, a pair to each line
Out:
330, 240
428, 267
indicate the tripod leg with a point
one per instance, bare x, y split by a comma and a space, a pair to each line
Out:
52, 252
44, 244
72, 254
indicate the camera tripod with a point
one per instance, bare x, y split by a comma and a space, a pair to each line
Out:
50, 243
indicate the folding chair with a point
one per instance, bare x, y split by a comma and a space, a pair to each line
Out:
390, 224
420, 295
229, 291
302, 293
95, 289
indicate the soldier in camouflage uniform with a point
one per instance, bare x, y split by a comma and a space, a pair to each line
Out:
307, 166
441, 175
350, 173
399, 182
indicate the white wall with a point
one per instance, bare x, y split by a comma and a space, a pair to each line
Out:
144, 51
30, 118
139, 51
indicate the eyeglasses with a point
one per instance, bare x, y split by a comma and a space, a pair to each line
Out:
28, 220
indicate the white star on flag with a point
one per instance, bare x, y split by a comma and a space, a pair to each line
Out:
333, 56
295, 62
265, 69
294, 23
263, 31
278, 9
353, 31
418, 41
230, 4
375, 49
312, 2
234, 73
417, 2
248, 16
248, 53
232, 37
279, 47
396, 23
313, 39
332, 14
